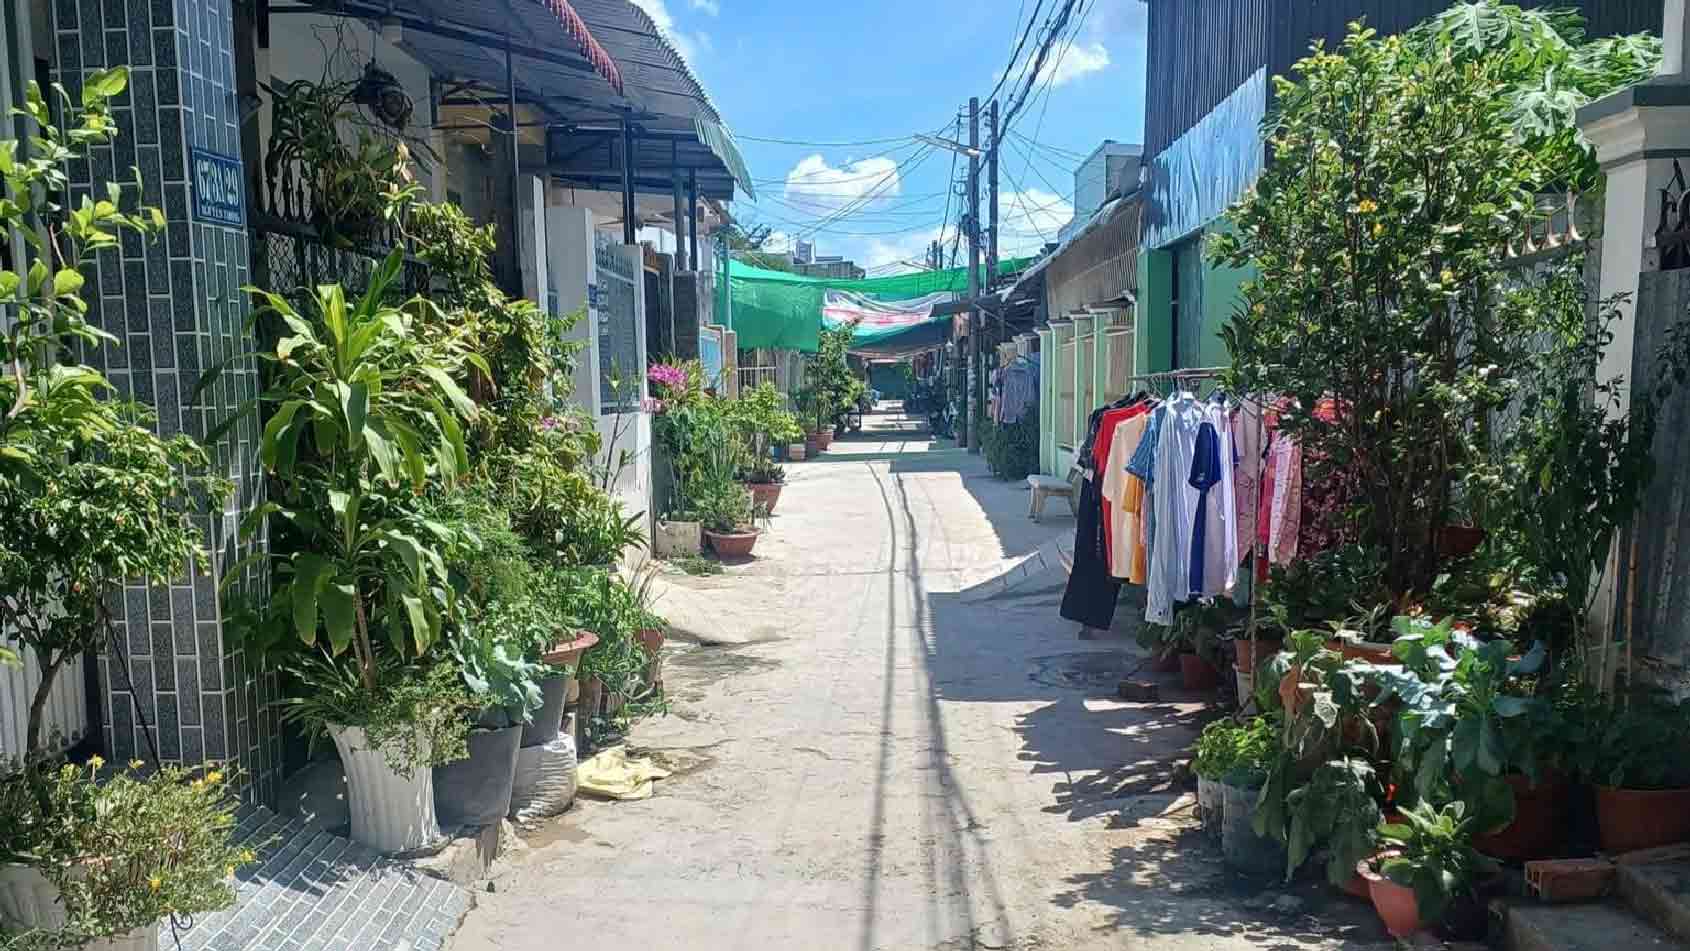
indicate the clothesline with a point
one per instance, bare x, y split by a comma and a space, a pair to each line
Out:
1257, 548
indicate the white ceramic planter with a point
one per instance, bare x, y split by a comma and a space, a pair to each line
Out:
27, 899
678, 538
390, 812
141, 939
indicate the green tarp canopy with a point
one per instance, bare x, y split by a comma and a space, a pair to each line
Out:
782, 311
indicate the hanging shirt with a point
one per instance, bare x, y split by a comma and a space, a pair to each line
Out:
1101, 448
1143, 466
1205, 475
1124, 503
1218, 512
1175, 502
1248, 476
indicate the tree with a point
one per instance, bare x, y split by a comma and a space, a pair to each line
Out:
1400, 169
749, 243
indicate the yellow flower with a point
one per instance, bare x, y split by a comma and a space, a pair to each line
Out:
1448, 276
1367, 206
136, 764
95, 762
1378, 228
248, 855
229, 871
198, 784
214, 777
155, 883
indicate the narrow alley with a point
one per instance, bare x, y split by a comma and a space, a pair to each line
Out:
886, 747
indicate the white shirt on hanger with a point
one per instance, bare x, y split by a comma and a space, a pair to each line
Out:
1175, 502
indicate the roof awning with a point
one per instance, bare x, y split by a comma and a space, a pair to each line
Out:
579, 67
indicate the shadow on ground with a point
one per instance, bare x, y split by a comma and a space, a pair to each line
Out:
1120, 765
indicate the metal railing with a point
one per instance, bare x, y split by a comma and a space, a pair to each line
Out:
752, 377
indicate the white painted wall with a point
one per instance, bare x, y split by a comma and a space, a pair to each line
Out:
312, 47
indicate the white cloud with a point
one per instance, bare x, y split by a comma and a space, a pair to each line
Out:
1029, 219
1075, 60
817, 189
708, 7
688, 45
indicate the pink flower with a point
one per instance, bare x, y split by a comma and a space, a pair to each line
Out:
667, 375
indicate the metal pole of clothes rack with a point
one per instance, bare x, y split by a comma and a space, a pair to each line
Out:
1258, 550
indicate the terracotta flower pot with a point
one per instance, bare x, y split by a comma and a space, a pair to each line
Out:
1536, 831
812, 445
796, 452
568, 653
1292, 693
1196, 673
1394, 903
1632, 819
1362, 650
1459, 541
732, 544
824, 439
765, 494
1247, 658
1165, 664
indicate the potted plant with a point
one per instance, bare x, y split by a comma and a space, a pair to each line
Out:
1195, 635
1228, 751
614, 668
1469, 728
1632, 751
503, 695
729, 519
90, 496
1243, 848
764, 480
1428, 863
96, 859
360, 590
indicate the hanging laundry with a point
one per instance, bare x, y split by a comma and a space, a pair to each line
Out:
1125, 493
1248, 482
1175, 502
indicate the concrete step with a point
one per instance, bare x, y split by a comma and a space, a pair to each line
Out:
1660, 891
1599, 926
313, 891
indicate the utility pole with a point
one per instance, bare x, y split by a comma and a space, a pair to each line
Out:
991, 236
971, 404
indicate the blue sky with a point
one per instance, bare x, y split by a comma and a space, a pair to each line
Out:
884, 69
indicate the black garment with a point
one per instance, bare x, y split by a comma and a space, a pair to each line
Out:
1092, 592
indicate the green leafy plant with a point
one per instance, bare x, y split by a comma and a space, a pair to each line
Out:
1633, 742
1012, 450
365, 415
1399, 165
1433, 854
609, 607
1331, 585
1237, 754
417, 714
1336, 808
1467, 717
499, 677
725, 507
833, 387
124, 850
89, 495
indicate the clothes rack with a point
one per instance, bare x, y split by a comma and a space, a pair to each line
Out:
1258, 552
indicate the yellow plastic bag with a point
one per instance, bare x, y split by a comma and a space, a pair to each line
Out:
610, 774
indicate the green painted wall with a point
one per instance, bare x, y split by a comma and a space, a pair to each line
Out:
1153, 346
1220, 298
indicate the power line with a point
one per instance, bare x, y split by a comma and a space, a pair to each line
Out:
822, 145
1015, 54
1055, 150
873, 191
1056, 25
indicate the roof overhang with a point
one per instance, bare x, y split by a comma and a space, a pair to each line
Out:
577, 69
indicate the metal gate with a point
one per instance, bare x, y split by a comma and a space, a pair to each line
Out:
66, 715
620, 366
1660, 606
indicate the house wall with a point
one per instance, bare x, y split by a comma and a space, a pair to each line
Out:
314, 48
178, 676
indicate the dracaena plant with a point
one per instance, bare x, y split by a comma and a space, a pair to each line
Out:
90, 495
364, 415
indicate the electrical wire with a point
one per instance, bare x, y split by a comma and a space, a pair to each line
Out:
823, 145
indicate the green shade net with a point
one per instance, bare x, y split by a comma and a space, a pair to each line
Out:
783, 311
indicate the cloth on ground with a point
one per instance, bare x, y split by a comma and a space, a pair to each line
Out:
610, 774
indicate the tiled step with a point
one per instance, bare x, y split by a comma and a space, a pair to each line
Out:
1660, 891
312, 891
1599, 926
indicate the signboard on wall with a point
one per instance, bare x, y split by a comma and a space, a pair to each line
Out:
218, 188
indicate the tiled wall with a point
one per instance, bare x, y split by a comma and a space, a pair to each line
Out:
176, 303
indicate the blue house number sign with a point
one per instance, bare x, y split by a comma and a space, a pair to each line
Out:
218, 189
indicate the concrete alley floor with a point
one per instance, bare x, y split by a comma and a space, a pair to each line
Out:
870, 755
